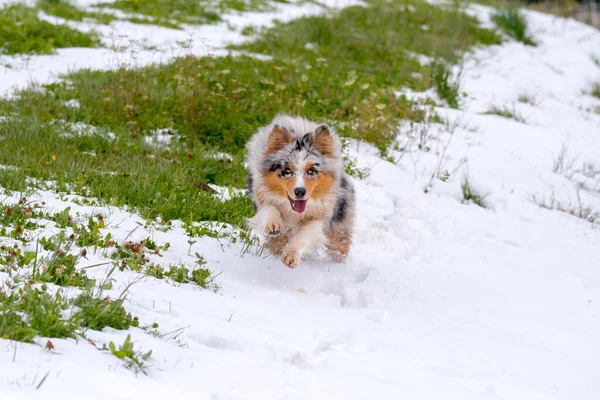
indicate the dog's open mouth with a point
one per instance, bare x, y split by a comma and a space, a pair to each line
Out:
298, 205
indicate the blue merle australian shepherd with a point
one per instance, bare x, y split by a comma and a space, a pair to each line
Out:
301, 194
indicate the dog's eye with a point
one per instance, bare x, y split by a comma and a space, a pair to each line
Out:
286, 173
312, 172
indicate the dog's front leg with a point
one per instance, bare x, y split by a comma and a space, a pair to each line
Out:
306, 237
267, 220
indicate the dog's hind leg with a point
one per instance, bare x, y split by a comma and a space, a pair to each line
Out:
340, 231
339, 240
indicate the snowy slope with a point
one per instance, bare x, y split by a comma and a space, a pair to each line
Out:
438, 300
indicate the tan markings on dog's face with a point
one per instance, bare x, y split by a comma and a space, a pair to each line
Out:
323, 141
278, 139
290, 185
279, 185
318, 185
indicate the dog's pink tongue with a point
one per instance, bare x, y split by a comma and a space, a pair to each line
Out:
299, 206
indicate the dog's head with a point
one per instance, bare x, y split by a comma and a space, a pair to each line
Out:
301, 168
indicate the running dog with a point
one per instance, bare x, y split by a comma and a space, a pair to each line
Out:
301, 194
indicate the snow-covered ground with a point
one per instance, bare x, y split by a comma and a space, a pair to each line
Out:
438, 300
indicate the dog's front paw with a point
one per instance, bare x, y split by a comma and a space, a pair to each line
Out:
273, 228
291, 258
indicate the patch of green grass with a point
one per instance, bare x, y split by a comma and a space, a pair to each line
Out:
514, 24
97, 313
60, 269
382, 30
528, 99
248, 30
22, 32
12, 258
201, 276
446, 85
470, 196
133, 256
30, 309
16, 218
29, 312
67, 10
596, 90
351, 169
368, 53
506, 112
187, 11
134, 359
151, 21
170, 183
350, 163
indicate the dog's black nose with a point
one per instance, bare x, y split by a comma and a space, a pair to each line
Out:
299, 192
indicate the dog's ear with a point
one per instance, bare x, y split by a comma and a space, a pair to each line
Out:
323, 140
278, 139
307, 140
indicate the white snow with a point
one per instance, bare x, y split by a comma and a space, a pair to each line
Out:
438, 300
160, 137
225, 193
74, 103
